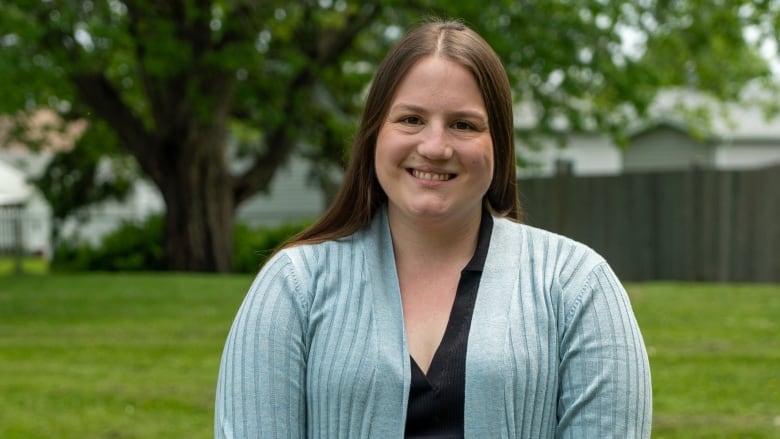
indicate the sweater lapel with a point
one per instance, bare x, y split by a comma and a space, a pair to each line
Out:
394, 376
486, 400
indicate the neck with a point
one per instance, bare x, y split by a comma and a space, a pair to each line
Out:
440, 244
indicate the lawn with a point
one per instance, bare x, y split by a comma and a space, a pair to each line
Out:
28, 265
136, 356
715, 358
112, 356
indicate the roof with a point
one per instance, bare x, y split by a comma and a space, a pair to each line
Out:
731, 121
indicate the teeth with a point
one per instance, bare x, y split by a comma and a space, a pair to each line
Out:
430, 175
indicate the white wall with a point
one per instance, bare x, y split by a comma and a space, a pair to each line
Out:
101, 219
665, 148
752, 156
37, 226
34, 216
290, 198
588, 154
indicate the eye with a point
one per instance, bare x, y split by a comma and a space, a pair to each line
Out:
463, 125
411, 120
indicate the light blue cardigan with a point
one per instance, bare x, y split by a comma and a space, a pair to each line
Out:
318, 347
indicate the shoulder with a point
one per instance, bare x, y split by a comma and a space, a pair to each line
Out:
556, 253
566, 269
311, 258
306, 264
574, 280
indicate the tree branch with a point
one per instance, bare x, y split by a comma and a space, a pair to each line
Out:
332, 45
244, 23
96, 90
280, 141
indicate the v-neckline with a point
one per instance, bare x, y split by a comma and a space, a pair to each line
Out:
437, 399
456, 331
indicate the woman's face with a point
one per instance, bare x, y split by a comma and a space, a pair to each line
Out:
434, 152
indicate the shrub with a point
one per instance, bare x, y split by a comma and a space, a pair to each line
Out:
138, 247
132, 247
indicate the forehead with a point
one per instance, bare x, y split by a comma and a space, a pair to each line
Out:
436, 81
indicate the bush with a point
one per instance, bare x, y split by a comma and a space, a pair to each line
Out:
135, 247
131, 247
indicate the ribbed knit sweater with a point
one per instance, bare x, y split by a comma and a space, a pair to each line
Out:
318, 347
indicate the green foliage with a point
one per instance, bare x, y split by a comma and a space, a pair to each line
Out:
698, 45
254, 246
134, 247
130, 248
567, 59
92, 172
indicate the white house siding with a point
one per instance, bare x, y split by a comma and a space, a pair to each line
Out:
588, 154
666, 148
748, 156
37, 226
33, 221
101, 219
22, 208
290, 198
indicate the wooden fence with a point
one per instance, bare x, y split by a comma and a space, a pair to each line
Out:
696, 225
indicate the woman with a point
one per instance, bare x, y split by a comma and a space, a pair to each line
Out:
418, 305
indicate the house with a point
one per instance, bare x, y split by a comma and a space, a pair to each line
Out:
582, 154
744, 138
290, 197
25, 217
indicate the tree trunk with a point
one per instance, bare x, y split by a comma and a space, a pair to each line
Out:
199, 217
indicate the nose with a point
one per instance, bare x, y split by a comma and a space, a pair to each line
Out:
434, 144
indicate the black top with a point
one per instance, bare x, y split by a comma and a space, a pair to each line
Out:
436, 401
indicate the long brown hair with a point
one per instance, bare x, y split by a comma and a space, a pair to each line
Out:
361, 195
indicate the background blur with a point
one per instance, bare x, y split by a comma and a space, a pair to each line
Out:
191, 121
144, 144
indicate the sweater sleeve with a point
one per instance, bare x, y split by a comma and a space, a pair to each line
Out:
261, 382
605, 389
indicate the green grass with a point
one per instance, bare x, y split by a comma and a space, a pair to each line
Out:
30, 265
112, 356
136, 356
715, 358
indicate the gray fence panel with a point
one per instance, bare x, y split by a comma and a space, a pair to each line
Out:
697, 225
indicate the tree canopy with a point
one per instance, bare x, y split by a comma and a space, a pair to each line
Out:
210, 98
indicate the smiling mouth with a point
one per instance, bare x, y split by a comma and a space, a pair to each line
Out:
433, 176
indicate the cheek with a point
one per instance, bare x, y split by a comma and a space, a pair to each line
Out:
488, 173
387, 155
379, 151
381, 160
486, 163
382, 163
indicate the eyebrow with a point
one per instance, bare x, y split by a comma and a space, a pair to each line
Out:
461, 113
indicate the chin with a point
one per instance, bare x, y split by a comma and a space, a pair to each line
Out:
431, 213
